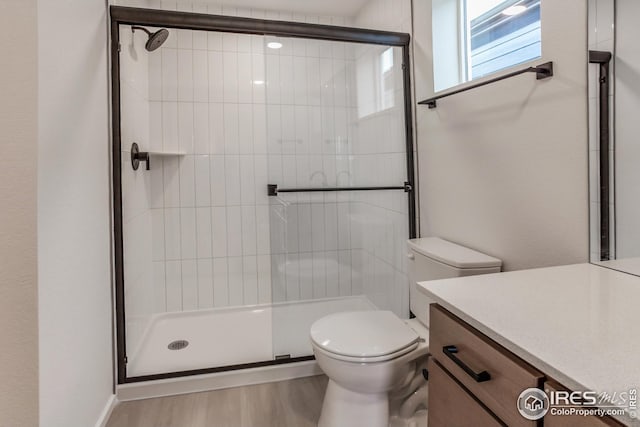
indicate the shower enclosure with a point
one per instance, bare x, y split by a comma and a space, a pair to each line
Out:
271, 184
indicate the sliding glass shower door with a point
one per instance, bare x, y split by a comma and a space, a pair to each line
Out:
337, 171
260, 183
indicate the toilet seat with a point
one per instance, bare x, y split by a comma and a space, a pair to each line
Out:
384, 358
363, 336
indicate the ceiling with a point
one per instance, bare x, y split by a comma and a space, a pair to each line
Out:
309, 7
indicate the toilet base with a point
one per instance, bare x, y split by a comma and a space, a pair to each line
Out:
342, 407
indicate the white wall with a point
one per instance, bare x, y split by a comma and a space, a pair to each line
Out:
76, 374
385, 15
18, 261
503, 168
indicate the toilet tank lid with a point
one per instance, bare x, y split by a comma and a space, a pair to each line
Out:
452, 254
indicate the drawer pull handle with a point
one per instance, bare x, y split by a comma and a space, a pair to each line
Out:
451, 350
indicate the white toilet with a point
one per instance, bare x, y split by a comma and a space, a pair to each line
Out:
367, 354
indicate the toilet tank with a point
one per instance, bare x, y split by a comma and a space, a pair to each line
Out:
432, 258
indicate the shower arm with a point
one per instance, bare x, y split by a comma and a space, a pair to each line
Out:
135, 27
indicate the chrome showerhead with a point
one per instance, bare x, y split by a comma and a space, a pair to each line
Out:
155, 39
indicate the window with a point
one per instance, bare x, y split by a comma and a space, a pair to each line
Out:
387, 86
473, 38
378, 79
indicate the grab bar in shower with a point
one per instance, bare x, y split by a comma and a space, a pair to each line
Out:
273, 190
542, 71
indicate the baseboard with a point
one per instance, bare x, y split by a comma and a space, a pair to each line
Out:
217, 381
106, 412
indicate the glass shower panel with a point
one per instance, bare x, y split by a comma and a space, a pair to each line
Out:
196, 237
335, 119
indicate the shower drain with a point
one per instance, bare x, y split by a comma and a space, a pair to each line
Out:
178, 345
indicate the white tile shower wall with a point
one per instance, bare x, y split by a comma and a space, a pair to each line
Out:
601, 36
210, 215
336, 244
366, 254
308, 133
136, 215
380, 219
249, 120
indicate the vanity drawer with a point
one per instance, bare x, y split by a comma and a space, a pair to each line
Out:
575, 420
492, 374
452, 406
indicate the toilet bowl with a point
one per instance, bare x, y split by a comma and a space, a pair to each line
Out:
361, 370
369, 354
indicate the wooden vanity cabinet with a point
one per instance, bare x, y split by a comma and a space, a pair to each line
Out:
473, 381
469, 357
452, 405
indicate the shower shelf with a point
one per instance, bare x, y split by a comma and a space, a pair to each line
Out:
138, 156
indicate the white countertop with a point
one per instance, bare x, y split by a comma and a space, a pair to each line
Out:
628, 265
579, 324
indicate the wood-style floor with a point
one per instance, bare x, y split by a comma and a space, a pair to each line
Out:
294, 403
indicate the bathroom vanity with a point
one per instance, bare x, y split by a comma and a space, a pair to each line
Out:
568, 328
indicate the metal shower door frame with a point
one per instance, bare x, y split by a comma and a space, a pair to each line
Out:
195, 21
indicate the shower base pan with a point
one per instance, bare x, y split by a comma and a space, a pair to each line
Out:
175, 342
